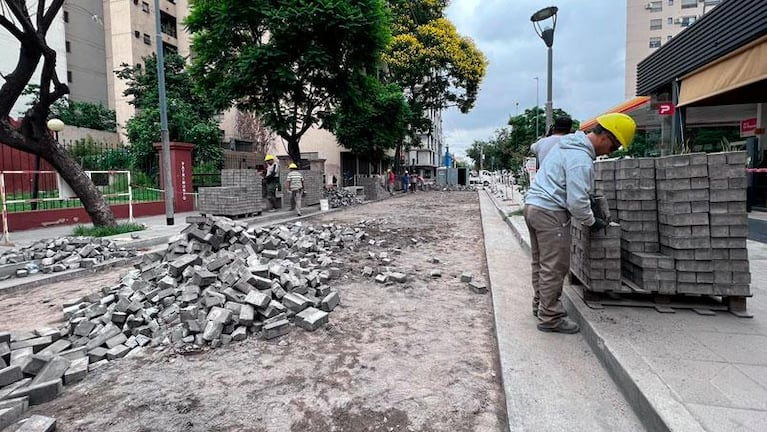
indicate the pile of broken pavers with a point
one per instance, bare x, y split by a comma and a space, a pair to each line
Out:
217, 282
341, 198
58, 255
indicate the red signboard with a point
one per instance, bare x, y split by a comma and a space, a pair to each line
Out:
747, 127
666, 108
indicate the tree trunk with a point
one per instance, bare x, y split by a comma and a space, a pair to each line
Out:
34, 137
294, 150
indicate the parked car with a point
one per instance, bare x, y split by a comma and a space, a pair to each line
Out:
484, 177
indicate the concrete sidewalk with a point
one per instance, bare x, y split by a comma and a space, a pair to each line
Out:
682, 371
552, 382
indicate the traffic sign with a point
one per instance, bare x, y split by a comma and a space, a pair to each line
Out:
747, 127
666, 108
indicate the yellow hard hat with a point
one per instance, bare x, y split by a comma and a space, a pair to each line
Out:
293, 166
620, 125
268, 158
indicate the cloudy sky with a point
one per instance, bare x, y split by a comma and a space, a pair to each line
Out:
589, 53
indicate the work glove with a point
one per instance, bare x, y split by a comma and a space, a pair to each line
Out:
598, 225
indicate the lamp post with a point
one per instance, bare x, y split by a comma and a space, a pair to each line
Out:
537, 104
163, 119
547, 34
54, 125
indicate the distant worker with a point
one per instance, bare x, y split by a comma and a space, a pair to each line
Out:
272, 179
390, 181
405, 181
295, 184
561, 192
562, 126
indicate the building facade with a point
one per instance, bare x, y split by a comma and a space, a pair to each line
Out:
425, 159
651, 24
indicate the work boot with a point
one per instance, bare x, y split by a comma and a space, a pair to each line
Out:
563, 326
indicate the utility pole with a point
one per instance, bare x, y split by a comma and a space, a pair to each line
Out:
167, 175
537, 93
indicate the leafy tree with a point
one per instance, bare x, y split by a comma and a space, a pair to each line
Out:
436, 66
371, 119
31, 134
288, 61
74, 113
190, 116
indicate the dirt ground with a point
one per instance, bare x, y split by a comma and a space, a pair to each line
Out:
417, 356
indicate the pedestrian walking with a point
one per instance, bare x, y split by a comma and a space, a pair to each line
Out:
405, 181
562, 126
390, 182
272, 179
295, 184
561, 192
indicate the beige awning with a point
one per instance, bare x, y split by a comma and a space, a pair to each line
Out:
741, 68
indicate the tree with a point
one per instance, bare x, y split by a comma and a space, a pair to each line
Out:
31, 134
371, 118
76, 113
190, 116
526, 129
288, 61
250, 127
436, 66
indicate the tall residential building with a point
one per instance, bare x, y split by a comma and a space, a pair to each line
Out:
650, 24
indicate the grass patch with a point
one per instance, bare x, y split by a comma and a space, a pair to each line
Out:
98, 231
518, 212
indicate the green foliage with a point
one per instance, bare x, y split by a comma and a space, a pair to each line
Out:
429, 59
104, 231
80, 114
371, 119
98, 156
190, 116
288, 61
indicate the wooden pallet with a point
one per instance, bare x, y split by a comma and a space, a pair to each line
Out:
237, 216
663, 303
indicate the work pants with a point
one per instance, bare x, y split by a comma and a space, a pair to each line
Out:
295, 200
550, 247
271, 193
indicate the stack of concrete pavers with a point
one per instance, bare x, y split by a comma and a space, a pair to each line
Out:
374, 187
313, 187
240, 194
637, 204
64, 253
683, 212
604, 183
216, 283
729, 223
595, 257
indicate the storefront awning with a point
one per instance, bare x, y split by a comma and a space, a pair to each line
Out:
626, 107
743, 68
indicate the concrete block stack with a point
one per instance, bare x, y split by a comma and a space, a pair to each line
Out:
637, 204
649, 271
240, 194
313, 187
604, 183
683, 215
595, 258
374, 187
728, 223
217, 282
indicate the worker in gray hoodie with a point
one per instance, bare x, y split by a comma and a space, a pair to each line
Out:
561, 193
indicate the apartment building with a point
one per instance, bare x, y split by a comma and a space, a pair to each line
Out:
425, 159
650, 24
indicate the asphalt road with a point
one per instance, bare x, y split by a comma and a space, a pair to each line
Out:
757, 230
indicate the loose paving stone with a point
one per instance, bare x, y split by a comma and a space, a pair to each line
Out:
10, 375
40, 392
381, 278
398, 277
478, 287
330, 302
276, 329
77, 371
38, 423
310, 319
466, 277
435, 273
9, 415
118, 351
52, 370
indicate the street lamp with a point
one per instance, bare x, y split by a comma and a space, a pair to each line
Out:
54, 125
539, 19
537, 104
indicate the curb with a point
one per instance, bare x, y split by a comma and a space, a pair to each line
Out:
673, 416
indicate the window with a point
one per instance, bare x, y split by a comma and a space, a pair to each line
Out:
655, 6
145, 7
687, 4
68, 46
147, 39
66, 16
656, 24
671, 2
670, 20
137, 34
668, 38
69, 76
687, 21
654, 42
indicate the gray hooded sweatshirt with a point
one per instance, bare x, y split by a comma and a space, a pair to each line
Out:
564, 181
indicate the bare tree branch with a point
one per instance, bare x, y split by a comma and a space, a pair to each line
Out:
19, 10
40, 12
11, 27
50, 15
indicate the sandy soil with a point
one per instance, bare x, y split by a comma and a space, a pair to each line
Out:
417, 356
